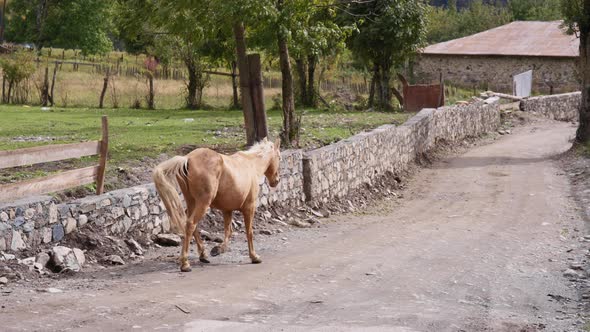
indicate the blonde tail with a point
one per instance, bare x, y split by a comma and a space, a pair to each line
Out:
165, 179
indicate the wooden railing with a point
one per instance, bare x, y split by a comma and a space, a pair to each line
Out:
61, 181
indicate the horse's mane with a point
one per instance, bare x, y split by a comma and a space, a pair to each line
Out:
260, 148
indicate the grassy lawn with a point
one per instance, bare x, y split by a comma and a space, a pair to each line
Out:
140, 136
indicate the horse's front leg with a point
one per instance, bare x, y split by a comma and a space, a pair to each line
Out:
248, 213
227, 228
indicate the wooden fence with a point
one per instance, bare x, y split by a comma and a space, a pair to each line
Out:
61, 181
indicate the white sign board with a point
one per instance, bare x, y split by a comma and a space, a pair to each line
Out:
522, 84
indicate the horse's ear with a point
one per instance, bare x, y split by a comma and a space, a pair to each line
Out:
278, 143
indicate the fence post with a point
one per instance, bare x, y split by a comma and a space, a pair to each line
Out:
104, 149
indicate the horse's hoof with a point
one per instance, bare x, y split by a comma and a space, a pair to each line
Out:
256, 260
204, 260
185, 269
216, 251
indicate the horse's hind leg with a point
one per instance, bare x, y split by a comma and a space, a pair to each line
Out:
191, 224
203, 258
227, 228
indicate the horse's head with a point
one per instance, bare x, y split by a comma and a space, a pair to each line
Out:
272, 172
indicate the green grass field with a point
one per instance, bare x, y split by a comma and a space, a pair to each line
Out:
139, 136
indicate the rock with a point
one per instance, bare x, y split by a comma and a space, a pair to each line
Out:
80, 256
46, 234
218, 239
267, 215
42, 258
317, 214
265, 232
135, 247
69, 225
3, 216
206, 235
64, 258
576, 266
58, 232
171, 240
17, 242
569, 273
3, 281
299, 224
52, 213
38, 266
114, 260
7, 257
82, 220
27, 261
50, 290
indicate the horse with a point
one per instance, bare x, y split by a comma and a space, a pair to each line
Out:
210, 179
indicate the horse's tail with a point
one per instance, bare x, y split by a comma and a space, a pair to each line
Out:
165, 177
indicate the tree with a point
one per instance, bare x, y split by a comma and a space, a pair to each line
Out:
389, 33
69, 24
534, 10
577, 14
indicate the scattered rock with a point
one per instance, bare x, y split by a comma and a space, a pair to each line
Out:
42, 258
170, 240
576, 266
265, 232
38, 266
569, 273
64, 258
267, 215
317, 214
218, 239
299, 224
115, 260
6, 257
135, 247
79, 256
206, 235
27, 261
50, 290
3, 281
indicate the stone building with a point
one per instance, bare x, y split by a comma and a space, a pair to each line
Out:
489, 59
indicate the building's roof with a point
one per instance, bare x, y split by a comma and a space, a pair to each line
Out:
520, 38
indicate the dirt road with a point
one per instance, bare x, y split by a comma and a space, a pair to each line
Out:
479, 243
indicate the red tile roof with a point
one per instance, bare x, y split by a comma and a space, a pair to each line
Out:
520, 38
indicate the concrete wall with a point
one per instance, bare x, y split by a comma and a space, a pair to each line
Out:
495, 72
319, 175
563, 107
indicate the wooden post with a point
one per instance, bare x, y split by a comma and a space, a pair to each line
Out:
104, 149
257, 91
104, 90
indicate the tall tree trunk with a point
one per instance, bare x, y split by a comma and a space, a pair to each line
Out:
384, 92
374, 79
311, 93
234, 84
290, 127
300, 66
191, 99
583, 133
247, 107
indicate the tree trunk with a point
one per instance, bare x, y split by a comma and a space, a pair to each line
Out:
300, 66
234, 85
374, 79
311, 93
10, 84
384, 91
290, 127
191, 99
255, 68
583, 133
151, 94
247, 107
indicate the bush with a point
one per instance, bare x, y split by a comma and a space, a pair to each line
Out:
17, 68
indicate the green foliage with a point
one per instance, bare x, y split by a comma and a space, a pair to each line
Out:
446, 24
574, 12
79, 24
18, 66
535, 10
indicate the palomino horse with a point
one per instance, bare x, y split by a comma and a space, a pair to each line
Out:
209, 179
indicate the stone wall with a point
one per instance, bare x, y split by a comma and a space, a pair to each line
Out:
495, 72
38, 220
563, 107
336, 170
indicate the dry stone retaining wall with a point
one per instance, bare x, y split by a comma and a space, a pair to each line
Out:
336, 170
562, 107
